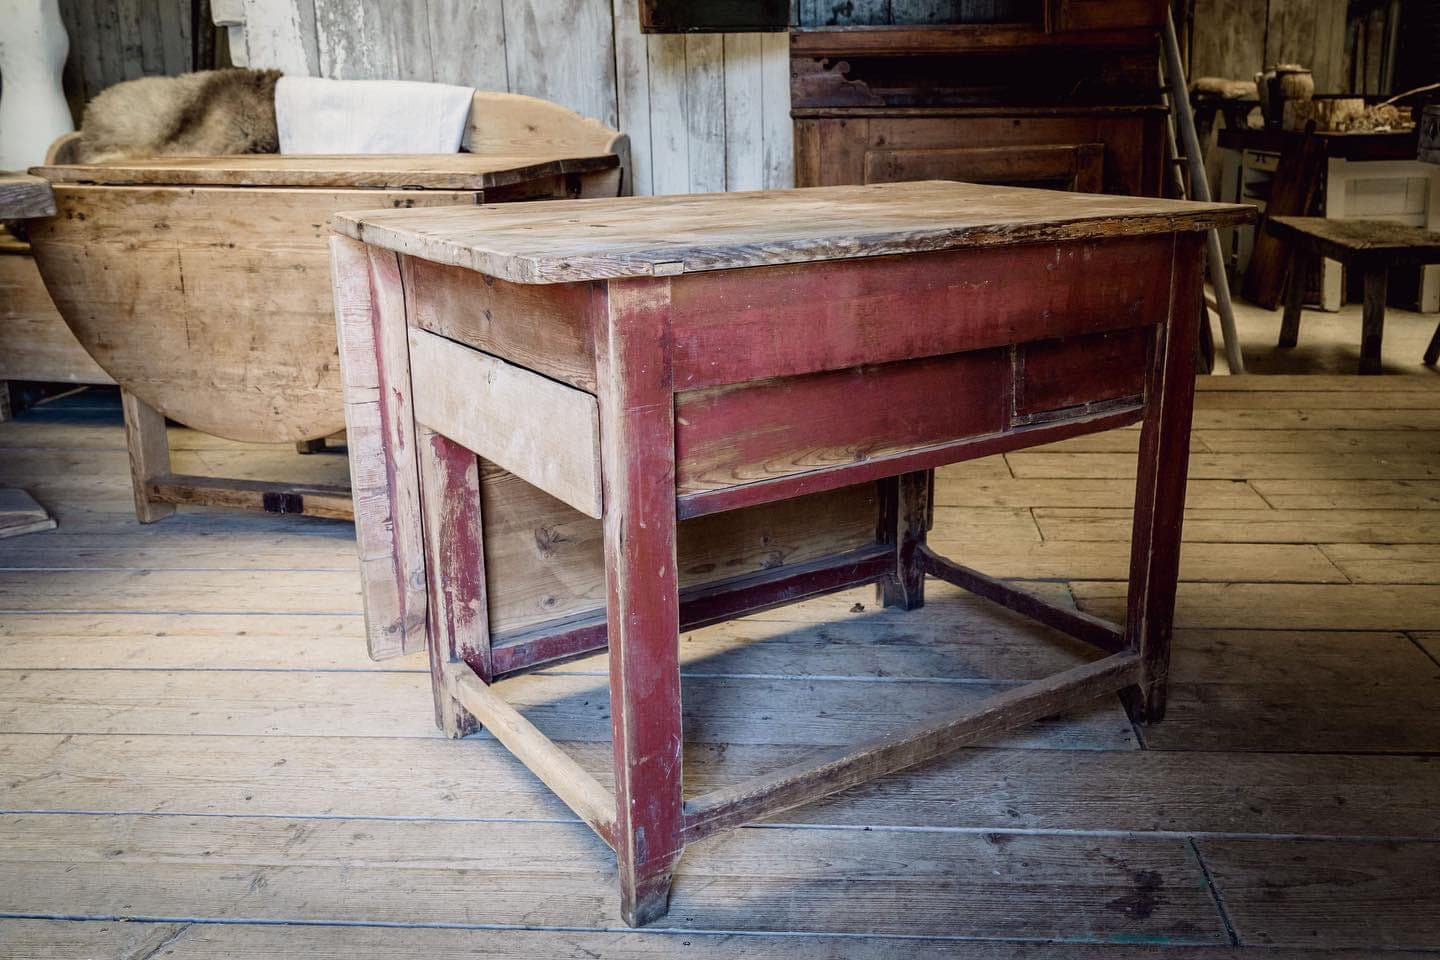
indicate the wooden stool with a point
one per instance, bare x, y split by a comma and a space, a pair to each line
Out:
687, 377
1371, 246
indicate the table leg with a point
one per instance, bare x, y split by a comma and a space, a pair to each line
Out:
637, 440
459, 622
1372, 323
1294, 299
370, 327
904, 518
1160, 488
149, 447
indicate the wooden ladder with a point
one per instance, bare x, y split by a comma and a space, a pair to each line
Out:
1176, 94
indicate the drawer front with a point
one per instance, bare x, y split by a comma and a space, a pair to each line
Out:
544, 432
543, 327
769, 429
1078, 167
1066, 377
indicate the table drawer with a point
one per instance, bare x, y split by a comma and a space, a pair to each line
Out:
763, 430
1068, 376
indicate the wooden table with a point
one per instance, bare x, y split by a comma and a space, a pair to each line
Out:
686, 409
1370, 246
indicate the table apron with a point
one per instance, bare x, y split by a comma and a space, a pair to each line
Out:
751, 442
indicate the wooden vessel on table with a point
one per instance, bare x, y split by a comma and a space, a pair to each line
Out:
202, 285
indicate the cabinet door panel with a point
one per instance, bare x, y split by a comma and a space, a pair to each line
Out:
1079, 167
1104, 14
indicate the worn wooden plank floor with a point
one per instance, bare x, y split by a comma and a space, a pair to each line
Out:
198, 761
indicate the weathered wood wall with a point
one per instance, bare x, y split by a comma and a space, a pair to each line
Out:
115, 40
1239, 38
703, 112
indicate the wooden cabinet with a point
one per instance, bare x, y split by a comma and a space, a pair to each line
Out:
1066, 15
1079, 167
1100, 152
1014, 104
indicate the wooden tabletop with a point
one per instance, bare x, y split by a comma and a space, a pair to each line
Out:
456, 171
1378, 240
662, 236
1353, 145
22, 196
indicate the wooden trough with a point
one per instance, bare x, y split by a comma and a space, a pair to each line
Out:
202, 285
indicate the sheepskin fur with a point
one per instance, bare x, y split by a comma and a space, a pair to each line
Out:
209, 113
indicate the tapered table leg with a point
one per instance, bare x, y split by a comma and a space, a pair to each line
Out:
1160, 485
459, 622
1372, 319
1294, 298
149, 446
637, 437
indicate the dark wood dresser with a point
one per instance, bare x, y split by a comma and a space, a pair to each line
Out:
1066, 95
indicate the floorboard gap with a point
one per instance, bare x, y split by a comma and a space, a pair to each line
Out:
1214, 893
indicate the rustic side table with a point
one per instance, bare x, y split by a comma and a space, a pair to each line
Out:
609, 421
1369, 246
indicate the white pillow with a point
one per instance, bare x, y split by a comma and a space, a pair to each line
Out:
315, 115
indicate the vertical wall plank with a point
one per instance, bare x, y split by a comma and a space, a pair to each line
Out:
370, 41
1312, 33
563, 52
778, 130
83, 75
1229, 38
744, 112
152, 42
705, 104
282, 34
632, 92
107, 24
467, 44
175, 36
669, 126
129, 15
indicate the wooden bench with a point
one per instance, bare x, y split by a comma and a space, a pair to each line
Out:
1371, 246
683, 383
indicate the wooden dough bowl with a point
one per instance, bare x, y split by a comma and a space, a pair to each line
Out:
202, 285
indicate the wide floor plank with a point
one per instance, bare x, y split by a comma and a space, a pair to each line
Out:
957, 491
1315, 893
1075, 558
563, 706
1253, 526
60, 940
1255, 465
977, 790
1347, 494
1271, 606
559, 874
